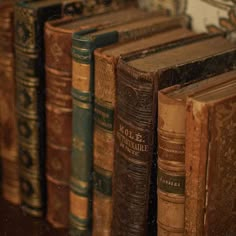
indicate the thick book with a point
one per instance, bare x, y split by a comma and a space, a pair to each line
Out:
210, 161
103, 135
58, 64
171, 148
30, 89
83, 47
139, 76
8, 125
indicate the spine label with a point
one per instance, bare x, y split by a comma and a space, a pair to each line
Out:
104, 117
170, 183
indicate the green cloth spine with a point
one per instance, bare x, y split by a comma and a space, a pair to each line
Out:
82, 147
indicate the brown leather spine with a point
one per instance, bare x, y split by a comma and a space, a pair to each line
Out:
104, 142
58, 122
58, 195
171, 165
8, 127
134, 129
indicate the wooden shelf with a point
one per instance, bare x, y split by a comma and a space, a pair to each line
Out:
13, 222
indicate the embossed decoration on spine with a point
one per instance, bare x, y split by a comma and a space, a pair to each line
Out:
82, 119
171, 168
133, 155
28, 99
58, 122
103, 140
29, 50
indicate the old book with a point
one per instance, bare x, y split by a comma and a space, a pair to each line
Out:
139, 76
8, 125
30, 79
210, 161
103, 137
58, 43
171, 150
83, 93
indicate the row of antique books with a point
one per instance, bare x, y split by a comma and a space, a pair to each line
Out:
117, 120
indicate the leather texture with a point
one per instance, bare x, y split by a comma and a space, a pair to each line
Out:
135, 128
83, 47
8, 124
210, 186
104, 141
30, 79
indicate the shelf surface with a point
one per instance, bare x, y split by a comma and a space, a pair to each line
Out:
13, 222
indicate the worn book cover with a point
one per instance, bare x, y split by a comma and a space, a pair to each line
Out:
139, 76
30, 17
171, 148
210, 161
58, 44
83, 92
83, 47
103, 135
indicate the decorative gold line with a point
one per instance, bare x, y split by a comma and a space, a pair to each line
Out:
78, 225
32, 212
29, 146
78, 182
28, 50
82, 104
81, 49
165, 134
66, 97
34, 177
58, 147
171, 151
57, 182
28, 81
63, 74
104, 103
108, 132
102, 171
57, 109
80, 77
81, 91
31, 115
32, 52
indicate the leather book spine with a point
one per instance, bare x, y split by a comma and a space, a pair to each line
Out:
29, 50
196, 148
104, 143
8, 124
134, 151
58, 123
171, 165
